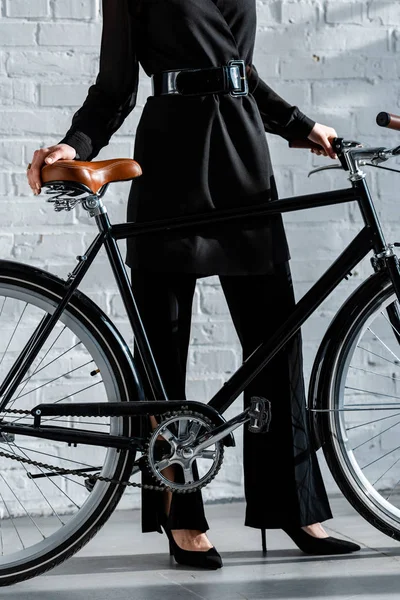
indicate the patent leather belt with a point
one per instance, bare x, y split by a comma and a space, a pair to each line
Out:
229, 79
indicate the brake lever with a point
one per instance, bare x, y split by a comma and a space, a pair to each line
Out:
318, 169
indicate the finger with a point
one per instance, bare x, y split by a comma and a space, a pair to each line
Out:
34, 178
325, 143
53, 156
33, 173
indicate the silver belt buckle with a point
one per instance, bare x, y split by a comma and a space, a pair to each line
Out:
237, 74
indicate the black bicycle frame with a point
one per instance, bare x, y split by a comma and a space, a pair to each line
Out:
369, 238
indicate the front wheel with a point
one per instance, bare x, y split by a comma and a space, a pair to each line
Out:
82, 361
361, 411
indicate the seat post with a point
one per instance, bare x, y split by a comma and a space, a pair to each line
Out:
95, 207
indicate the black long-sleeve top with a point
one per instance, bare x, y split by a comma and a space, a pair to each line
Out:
197, 153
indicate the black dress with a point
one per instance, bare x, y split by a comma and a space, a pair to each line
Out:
197, 153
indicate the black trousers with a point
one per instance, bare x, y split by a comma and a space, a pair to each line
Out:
282, 479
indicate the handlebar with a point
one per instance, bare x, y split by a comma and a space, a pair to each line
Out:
388, 120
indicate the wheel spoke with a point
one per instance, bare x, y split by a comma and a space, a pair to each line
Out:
372, 422
348, 387
26, 381
391, 377
390, 323
22, 506
376, 436
378, 355
37, 487
12, 520
385, 346
385, 473
55, 379
13, 333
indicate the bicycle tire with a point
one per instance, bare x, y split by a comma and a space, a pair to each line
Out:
94, 326
338, 447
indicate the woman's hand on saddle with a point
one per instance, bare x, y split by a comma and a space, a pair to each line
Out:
46, 156
323, 135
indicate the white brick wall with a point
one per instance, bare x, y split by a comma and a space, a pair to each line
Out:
338, 60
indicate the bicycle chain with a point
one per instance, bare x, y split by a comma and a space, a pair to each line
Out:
61, 471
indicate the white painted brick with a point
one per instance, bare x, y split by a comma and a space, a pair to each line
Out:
58, 246
282, 41
269, 13
299, 12
360, 94
213, 302
11, 154
213, 332
294, 93
13, 122
32, 9
384, 11
6, 245
74, 9
213, 361
17, 34
45, 66
82, 34
349, 38
5, 184
344, 12
63, 94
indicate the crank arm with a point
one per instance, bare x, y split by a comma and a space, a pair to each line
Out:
220, 432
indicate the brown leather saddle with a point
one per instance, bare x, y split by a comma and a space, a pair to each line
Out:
94, 175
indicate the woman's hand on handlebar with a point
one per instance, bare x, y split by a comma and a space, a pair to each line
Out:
323, 135
47, 156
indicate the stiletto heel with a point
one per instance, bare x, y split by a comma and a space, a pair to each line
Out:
318, 546
192, 558
264, 541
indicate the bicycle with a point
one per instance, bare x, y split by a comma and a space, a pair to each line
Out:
53, 334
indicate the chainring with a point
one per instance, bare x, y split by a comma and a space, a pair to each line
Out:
178, 432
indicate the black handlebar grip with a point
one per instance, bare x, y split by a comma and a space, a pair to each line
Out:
385, 119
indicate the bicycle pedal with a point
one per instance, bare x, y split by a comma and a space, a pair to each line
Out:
260, 415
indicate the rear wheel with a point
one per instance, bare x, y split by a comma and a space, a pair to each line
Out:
80, 362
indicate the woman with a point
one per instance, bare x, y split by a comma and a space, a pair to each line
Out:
201, 144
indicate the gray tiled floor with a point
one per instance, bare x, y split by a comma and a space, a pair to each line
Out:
122, 564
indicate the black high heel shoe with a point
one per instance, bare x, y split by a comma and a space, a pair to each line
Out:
312, 545
192, 558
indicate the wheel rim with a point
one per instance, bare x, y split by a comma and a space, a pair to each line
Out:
364, 416
67, 510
